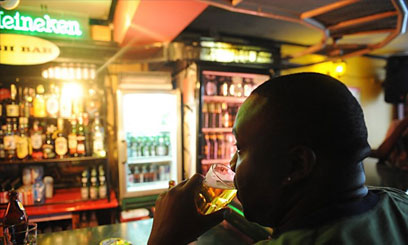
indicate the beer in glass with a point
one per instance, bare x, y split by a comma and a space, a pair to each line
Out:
217, 189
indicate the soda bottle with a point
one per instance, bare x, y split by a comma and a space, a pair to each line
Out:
15, 220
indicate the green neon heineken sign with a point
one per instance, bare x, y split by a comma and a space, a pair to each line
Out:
19, 22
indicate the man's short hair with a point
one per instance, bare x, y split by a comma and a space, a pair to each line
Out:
318, 111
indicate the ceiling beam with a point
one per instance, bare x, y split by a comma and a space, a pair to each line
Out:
326, 8
365, 19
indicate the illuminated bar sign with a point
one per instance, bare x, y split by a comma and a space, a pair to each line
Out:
42, 25
18, 49
225, 52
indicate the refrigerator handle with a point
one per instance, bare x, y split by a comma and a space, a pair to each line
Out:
124, 151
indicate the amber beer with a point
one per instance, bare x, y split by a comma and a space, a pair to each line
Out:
217, 189
214, 198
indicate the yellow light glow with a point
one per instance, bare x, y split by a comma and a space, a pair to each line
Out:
57, 72
51, 73
72, 91
339, 68
45, 74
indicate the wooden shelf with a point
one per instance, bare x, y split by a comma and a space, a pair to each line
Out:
73, 160
213, 161
67, 200
225, 99
216, 130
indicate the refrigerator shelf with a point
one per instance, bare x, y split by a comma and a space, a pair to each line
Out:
224, 99
213, 161
145, 186
142, 160
216, 130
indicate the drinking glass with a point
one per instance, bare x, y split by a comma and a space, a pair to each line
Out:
14, 233
217, 189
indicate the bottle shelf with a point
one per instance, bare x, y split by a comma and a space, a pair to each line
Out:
213, 161
67, 200
216, 130
225, 99
72, 160
141, 160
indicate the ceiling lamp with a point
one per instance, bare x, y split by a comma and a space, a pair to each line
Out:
9, 4
338, 22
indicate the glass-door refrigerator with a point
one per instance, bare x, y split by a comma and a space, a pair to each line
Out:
149, 143
221, 95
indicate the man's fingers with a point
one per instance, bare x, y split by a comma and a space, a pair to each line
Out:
193, 183
216, 217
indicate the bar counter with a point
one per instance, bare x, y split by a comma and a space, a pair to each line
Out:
136, 232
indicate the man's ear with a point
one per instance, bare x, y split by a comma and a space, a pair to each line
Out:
303, 160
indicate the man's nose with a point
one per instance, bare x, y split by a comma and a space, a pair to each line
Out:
233, 162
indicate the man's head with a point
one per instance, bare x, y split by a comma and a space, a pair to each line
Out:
294, 131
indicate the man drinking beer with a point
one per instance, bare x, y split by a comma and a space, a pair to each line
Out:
300, 140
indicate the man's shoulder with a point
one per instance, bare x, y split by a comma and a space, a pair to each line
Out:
392, 193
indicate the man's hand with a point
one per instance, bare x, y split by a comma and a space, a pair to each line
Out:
176, 220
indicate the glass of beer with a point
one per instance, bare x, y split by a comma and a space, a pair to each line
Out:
217, 189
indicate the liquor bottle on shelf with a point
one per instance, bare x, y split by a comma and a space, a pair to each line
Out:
218, 115
30, 98
22, 145
27, 102
232, 113
2, 150
213, 146
211, 115
146, 173
93, 190
145, 147
220, 146
152, 147
225, 115
248, 86
161, 146
88, 134
98, 135
61, 143
39, 191
12, 108
210, 85
132, 146
167, 143
9, 141
49, 145
142, 173
15, 219
205, 115
39, 102
72, 139
81, 137
130, 175
207, 146
85, 186
136, 174
36, 141
20, 101
52, 104
223, 85
102, 183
